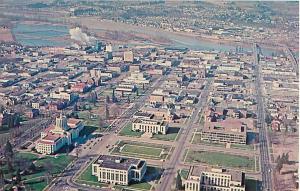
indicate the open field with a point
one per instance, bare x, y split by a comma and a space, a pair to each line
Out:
142, 150
220, 159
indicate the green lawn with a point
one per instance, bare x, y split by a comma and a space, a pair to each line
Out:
92, 122
86, 177
252, 185
57, 164
141, 150
170, 136
87, 130
36, 184
152, 174
126, 131
37, 180
184, 173
220, 159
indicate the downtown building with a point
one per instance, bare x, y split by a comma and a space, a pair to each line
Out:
63, 133
210, 179
150, 126
118, 170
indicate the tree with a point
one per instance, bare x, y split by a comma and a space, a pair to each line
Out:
18, 177
279, 166
32, 167
278, 159
285, 158
106, 112
128, 99
8, 154
92, 97
107, 99
178, 182
1, 178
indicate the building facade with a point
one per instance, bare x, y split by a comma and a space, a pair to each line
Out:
150, 126
228, 131
64, 132
118, 170
206, 179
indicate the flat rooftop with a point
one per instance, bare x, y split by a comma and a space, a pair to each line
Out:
227, 126
235, 175
117, 162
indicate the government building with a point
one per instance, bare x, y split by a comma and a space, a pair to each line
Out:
150, 126
228, 131
62, 133
210, 179
118, 170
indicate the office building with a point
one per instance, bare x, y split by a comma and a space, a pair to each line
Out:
228, 131
150, 126
118, 170
210, 179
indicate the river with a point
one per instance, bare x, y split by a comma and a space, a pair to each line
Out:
58, 35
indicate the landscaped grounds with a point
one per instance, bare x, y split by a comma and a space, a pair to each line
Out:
220, 159
172, 134
36, 171
151, 177
142, 150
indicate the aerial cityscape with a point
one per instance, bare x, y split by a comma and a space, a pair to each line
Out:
155, 95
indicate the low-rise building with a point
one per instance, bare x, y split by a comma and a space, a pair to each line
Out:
125, 89
128, 56
118, 170
150, 126
205, 179
63, 95
138, 78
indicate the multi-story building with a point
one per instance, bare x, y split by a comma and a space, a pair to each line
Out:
162, 113
138, 78
128, 56
118, 170
64, 132
207, 179
156, 98
228, 131
125, 89
63, 95
134, 68
150, 126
